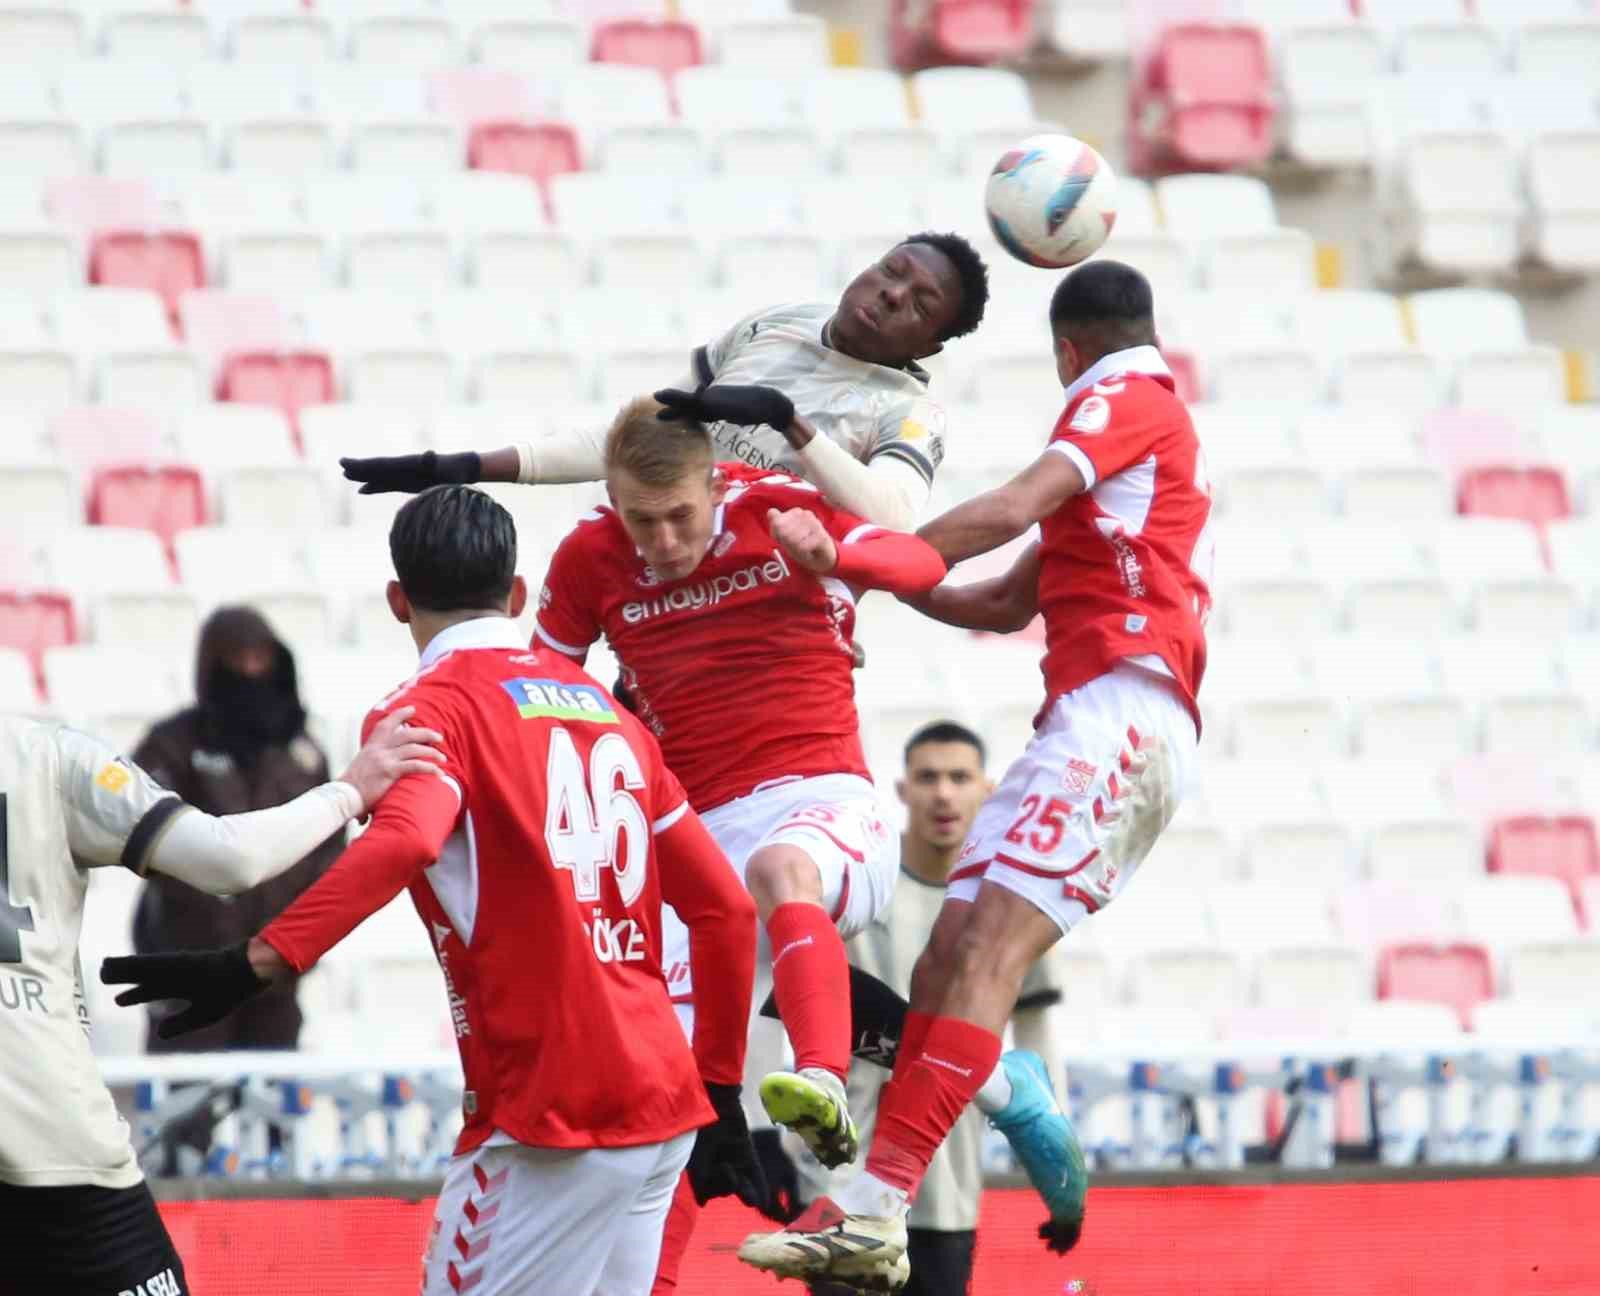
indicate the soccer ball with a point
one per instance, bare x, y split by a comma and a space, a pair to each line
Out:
1051, 201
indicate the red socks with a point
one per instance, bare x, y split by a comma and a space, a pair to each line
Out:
811, 979
913, 1035
929, 1092
675, 1239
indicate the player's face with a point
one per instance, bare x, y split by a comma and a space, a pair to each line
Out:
669, 525
895, 311
943, 787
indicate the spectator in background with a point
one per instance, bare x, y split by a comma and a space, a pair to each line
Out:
942, 786
242, 746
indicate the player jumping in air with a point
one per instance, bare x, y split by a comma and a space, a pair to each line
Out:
71, 1192
1121, 575
538, 856
867, 434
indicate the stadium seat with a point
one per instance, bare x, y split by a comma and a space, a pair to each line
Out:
32, 622
283, 145
168, 264
1536, 494
1462, 440
355, 92
665, 46
1326, 63
1503, 910
91, 437
21, 688
423, 260
286, 380
1185, 994
1456, 975
50, 36
962, 99
1561, 846
106, 319
792, 41
115, 693
37, 499
598, 96
1555, 971
407, 146
221, 437
537, 150
1207, 206
285, 39
1326, 981
424, 376
88, 204
661, 148
157, 34
1459, 204
217, 324
148, 621
164, 499
1383, 912
1565, 232
224, 563
1089, 30
1250, 918
91, 560
1557, 50
1202, 99
418, 41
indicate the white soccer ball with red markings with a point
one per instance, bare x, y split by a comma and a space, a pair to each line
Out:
1051, 201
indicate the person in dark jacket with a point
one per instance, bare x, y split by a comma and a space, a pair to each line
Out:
242, 746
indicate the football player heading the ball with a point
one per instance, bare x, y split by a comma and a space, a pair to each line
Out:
861, 425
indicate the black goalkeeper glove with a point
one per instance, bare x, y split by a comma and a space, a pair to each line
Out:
212, 982
414, 472
723, 1162
745, 406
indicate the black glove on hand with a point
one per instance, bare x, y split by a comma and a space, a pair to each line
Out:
746, 406
414, 472
723, 1161
212, 982
783, 1178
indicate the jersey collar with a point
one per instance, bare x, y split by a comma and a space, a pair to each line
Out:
480, 632
1139, 359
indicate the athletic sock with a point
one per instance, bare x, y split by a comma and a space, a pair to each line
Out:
681, 1217
866, 1194
913, 1035
811, 979
921, 1104
995, 1094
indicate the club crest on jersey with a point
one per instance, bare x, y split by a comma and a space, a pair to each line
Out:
545, 699
1092, 415
1079, 776
647, 576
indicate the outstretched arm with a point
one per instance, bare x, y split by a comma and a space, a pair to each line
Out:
1003, 604
995, 517
865, 556
571, 455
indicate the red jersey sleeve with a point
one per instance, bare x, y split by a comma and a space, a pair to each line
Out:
1107, 429
569, 618
407, 831
870, 556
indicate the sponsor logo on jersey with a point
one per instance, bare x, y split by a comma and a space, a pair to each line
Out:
1092, 415
545, 699
113, 777
647, 576
708, 593
722, 544
1128, 567
164, 1283
1079, 775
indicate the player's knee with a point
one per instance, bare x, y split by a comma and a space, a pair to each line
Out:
778, 875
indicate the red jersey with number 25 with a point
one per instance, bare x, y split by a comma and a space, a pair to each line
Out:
1125, 567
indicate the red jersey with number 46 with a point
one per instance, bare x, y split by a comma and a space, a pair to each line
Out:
1125, 567
538, 860
743, 668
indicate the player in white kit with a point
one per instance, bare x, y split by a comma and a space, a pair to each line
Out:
866, 431
72, 1196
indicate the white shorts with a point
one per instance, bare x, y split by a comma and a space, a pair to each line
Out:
526, 1221
1067, 826
833, 818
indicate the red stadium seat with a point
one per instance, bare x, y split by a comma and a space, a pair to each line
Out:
665, 45
91, 437
1558, 846
1533, 494
166, 499
1458, 976
35, 620
538, 150
959, 31
168, 263
1203, 100
285, 380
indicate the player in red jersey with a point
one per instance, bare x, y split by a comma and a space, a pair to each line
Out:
1121, 574
727, 594
538, 860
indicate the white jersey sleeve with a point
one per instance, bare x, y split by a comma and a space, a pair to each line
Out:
115, 812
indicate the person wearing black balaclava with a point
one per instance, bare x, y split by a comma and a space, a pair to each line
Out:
242, 746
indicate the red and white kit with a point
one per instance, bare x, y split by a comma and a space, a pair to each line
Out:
743, 670
538, 860
1123, 585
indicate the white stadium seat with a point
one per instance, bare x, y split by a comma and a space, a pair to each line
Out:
221, 562
964, 99
164, 622
1459, 205
794, 41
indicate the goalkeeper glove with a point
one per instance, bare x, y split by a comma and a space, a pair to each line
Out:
212, 982
414, 472
723, 1161
745, 406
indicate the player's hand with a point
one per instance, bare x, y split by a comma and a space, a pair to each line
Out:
746, 406
800, 534
414, 472
394, 750
212, 982
723, 1162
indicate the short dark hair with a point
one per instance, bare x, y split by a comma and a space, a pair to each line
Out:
1106, 303
972, 272
454, 549
945, 731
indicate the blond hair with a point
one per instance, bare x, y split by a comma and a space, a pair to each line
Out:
655, 452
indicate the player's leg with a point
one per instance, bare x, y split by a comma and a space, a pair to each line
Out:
941, 1261
88, 1240
684, 1210
630, 1267
824, 871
